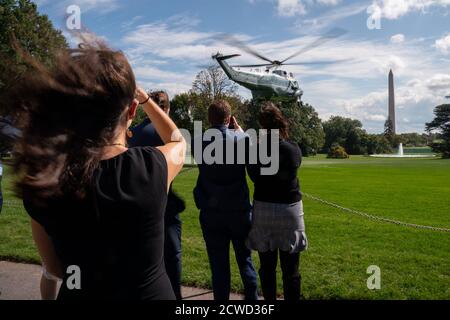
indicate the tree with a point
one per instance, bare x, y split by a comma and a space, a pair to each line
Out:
390, 135
305, 126
441, 124
35, 34
413, 139
209, 85
349, 134
180, 111
376, 144
212, 84
388, 129
345, 132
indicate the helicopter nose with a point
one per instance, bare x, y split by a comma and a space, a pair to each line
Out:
299, 93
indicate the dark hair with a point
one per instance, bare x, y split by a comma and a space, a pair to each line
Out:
67, 114
218, 112
271, 117
161, 98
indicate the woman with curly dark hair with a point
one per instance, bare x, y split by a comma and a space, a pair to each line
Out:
278, 226
96, 206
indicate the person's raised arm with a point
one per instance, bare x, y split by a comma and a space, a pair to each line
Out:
174, 148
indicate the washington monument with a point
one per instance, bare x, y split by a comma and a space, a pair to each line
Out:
391, 117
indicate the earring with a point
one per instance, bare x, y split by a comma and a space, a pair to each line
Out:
129, 134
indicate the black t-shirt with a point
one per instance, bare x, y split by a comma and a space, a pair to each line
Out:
116, 233
284, 186
143, 135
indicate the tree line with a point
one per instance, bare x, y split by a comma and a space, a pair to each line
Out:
34, 33
345, 135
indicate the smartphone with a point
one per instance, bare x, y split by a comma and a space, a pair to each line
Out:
231, 125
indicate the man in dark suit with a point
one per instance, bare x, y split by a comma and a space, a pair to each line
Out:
145, 135
222, 196
8, 133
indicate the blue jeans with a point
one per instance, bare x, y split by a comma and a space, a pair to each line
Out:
218, 231
172, 252
1, 196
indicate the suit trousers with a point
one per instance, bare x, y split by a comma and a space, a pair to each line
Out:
219, 230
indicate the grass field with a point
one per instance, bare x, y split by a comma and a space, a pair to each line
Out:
415, 264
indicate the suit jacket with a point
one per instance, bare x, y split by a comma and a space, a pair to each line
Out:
7, 130
221, 188
144, 135
8, 133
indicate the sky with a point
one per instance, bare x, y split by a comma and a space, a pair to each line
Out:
167, 43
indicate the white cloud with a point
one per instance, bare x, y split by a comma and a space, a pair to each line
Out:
355, 88
398, 38
131, 22
41, 3
329, 2
415, 101
289, 8
101, 6
375, 117
172, 43
363, 59
172, 88
75, 38
394, 9
305, 26
443, 44
171, 39
394, 62
440, 83
147, 72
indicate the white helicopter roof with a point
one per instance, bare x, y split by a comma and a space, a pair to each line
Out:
263, 71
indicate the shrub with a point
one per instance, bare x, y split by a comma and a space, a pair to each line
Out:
337, 152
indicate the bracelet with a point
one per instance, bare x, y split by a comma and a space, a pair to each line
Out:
148, 98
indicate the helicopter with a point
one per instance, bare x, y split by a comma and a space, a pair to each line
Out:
268, 79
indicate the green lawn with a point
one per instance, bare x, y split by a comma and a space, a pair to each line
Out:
415, 264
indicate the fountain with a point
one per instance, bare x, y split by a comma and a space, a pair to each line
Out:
391, 119
400, 154
400, 150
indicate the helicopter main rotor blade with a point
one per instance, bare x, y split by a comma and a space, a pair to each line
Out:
330, 35
253, 65
240, 45
307, 63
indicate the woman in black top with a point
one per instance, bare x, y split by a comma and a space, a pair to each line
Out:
97, 207
278, 225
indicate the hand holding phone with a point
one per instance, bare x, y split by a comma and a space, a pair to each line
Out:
234, 125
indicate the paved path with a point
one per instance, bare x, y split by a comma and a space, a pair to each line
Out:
20, 281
